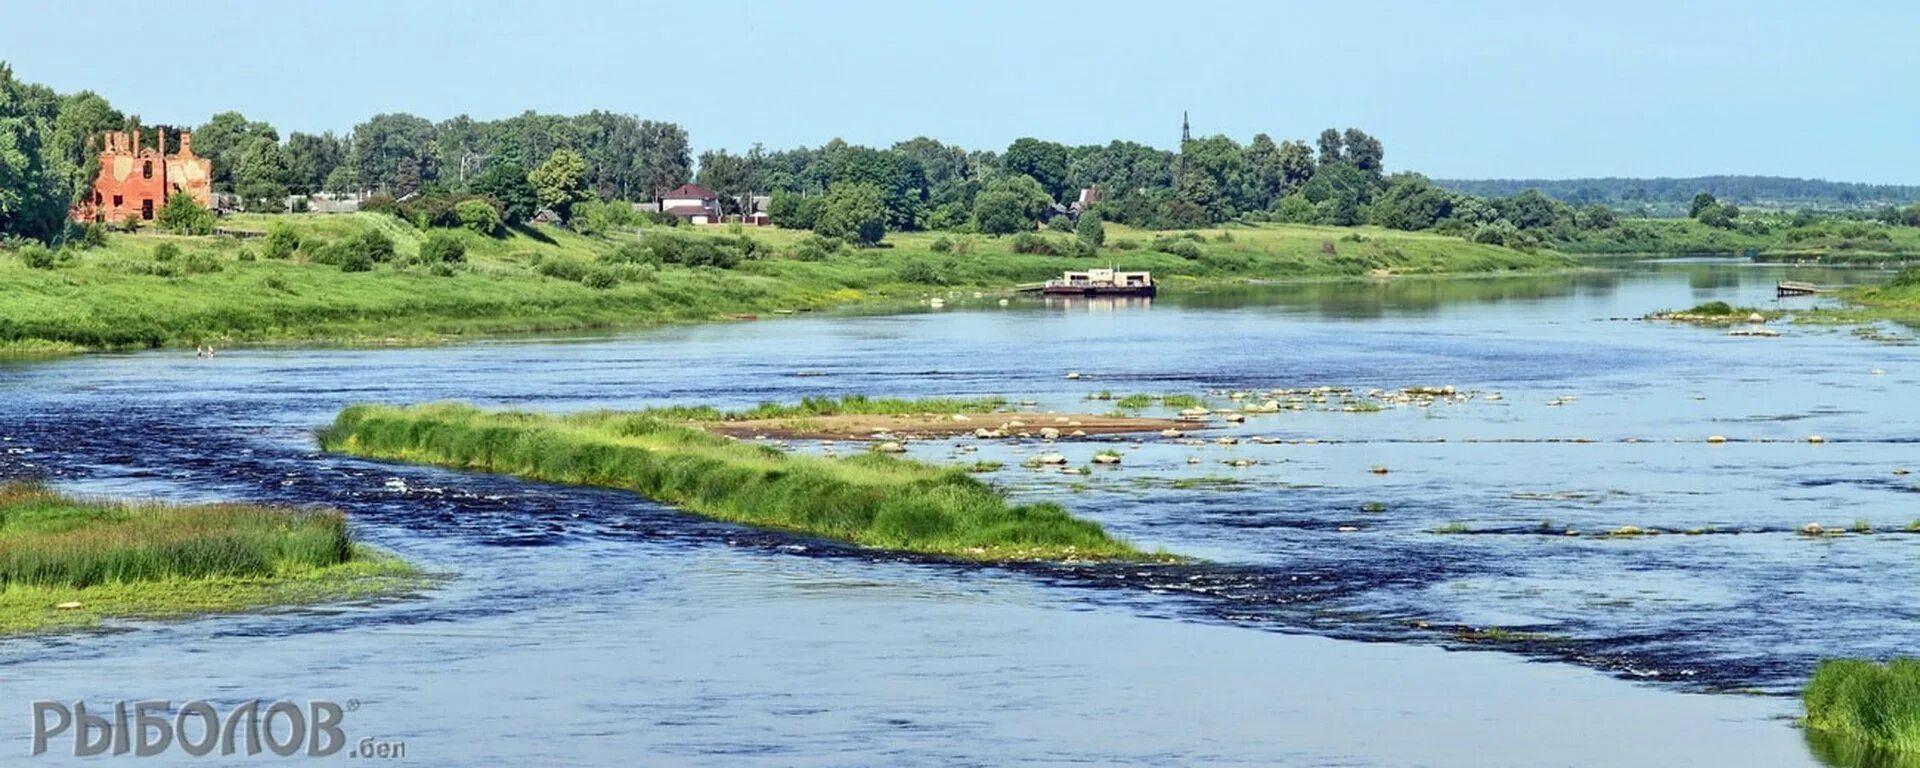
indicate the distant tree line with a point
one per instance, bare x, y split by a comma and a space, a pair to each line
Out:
1675, 195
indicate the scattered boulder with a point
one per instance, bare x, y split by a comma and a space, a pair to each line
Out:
1812, 529
890, 447
1816, 439
1052, 458
1106, 457
1716, 439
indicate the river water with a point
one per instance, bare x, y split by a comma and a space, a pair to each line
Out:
1340, 617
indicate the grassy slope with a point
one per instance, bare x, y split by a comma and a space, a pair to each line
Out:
152, 560
871, 500
103, 298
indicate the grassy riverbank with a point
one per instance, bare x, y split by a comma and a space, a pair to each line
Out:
68, 562
1875, 703
161, 290
872, 500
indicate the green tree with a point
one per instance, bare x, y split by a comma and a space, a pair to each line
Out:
1090, 230
478, 215
393, 152
1701, 202
1044, 161
1410, 202
33, 195
506, 182
856, 213
1009, 203
1331, 151
560, 182
1364, 152
224, 139
260, 175
1296, 166
311, 159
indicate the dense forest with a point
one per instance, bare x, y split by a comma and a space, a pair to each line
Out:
1673, 196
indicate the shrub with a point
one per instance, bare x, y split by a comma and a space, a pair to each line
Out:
374, 245
276, 283
353, 260
1060, 224
1028, 242
922, 272
594, 218
1907, 278
184, 215
1177, 246
200, 262
166, 252
1126, 245
478, 215
281, 243
600, 279
943, 244
696, 251
246, 254
93, 235
817, 248
628, 253
562, 269
443, 248
36, 256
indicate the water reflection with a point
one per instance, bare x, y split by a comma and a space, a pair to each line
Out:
1845, 752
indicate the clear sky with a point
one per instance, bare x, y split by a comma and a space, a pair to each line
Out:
1454, 89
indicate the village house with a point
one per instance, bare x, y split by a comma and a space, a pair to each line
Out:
134, 181
692, 202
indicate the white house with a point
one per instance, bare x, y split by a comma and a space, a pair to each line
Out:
692, 202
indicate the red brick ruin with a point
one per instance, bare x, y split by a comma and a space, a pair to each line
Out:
135, 181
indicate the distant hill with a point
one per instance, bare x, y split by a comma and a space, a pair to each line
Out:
1665, 195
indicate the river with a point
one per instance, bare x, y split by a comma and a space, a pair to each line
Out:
1340, 616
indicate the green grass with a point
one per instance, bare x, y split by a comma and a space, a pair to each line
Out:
1875, 703
538, 279
870, 499
118, 559
1141, 401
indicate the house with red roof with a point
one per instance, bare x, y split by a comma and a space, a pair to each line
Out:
695, 203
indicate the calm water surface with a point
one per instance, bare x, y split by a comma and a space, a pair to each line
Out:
588, 627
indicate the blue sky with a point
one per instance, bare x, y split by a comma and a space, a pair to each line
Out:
1454, 89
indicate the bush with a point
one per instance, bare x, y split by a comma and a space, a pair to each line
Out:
921, 272
600, 279
1908, 278
562, 269
93, 235
166, 252
443, 248
628, 253
36, 256
943, 244
200, 262
1060, 224
281, 243
1126, 245
374, 245
594, 218
478, 215
184, 215
697, 251
1028, 242
246, 254
817, 248
1178, 245
353, 260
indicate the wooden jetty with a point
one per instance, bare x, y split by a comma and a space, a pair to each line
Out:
1792, 288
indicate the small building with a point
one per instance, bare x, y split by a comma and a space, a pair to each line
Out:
692, 202
134, 181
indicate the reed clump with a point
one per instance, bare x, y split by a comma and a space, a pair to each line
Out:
871, 499
1875, 703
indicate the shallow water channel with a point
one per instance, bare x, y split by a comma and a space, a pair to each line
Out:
1436, 614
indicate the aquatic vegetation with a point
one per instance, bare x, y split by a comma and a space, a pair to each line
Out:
102, 558
1861, 526
870, 499
1141, 400
1454, 528
1373, 507
984, 466
1875, 703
